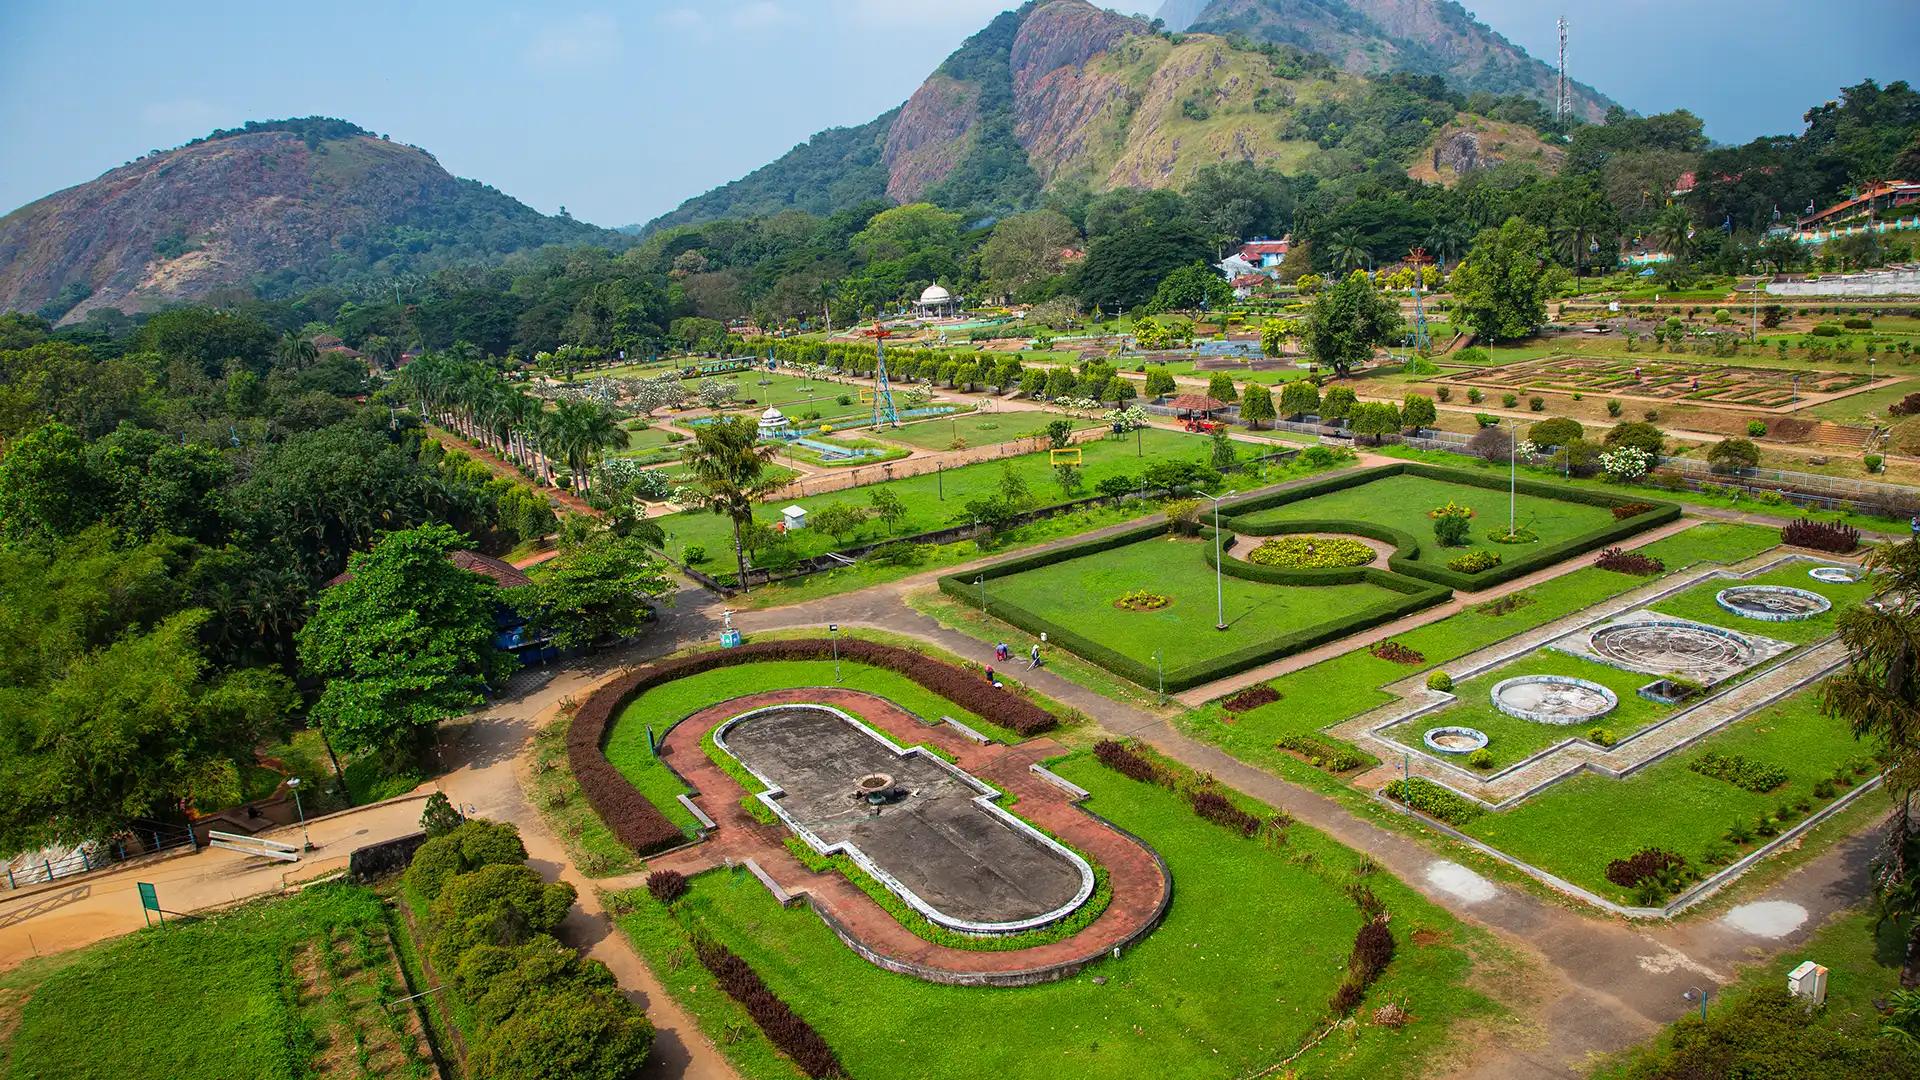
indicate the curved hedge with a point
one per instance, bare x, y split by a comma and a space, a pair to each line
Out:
640, 825
1405, 559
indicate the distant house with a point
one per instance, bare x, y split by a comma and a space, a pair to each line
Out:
1266, 254
511, 632
1255, 259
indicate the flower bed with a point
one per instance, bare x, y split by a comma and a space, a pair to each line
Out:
1251, 698
1433, 800
1474, 562
1308, 552
1142, 600
1755, 776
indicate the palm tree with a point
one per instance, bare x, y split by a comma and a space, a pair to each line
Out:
296, 352
1673, 231
727, 464
579, 430
1449, 240
1878, 695
1346, 252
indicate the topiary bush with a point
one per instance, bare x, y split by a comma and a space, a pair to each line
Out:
1481, 759
1474, 562
667, 885
1440, 681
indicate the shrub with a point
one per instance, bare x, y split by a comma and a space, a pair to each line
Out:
1821, 536
1740, 832
1432, 800
1324, 753
1451, 529
1252, 698
1874, 462
590, 1033
1646, 863
1823, 789
461, 850
667, 885
1474, 562
1756, 429
1123, 760
1601, 736
1481, 759
1637, 435
1632, 509
694, 554
1906, 406
1756, 776
1445, 393
1373, 950
439, 817
1537, 404
1440, 681
1629, 562
1826, 330
784, 1028
1474, 396
503, 904
1614, 407
1856, 322
1142, 600
1558, 431
1220, 810
1509, 400
1397, 653
1733, 455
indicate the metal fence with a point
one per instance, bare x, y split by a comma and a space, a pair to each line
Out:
141, 838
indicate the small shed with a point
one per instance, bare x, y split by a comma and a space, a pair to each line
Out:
794, 517
1200, 403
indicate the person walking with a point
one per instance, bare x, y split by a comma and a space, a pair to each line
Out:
990, 675
1034, 657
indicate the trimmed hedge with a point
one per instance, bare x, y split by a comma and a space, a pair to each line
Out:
1404, 561
640, 825
1433, 800
787, 1030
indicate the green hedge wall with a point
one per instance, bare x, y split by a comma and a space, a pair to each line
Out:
1415, 596
1404, 561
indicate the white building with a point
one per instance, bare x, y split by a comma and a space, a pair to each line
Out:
936, 303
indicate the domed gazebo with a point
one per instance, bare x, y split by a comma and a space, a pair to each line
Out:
936, 302
775, 425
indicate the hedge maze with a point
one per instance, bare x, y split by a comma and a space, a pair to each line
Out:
1275, 611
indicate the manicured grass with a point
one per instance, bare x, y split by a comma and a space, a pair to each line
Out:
791, 394
1080, 594
973, 429
1333, 690
938, 499
1234, 979
1698, 604
1403, 502
1576, 827
244, 994
1509, 739
1863, 406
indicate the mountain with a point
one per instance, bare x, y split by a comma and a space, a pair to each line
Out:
276, 206
1422, 37
1060, 92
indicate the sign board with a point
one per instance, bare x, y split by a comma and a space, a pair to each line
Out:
149, 899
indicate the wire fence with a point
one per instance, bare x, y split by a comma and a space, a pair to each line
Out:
140, 838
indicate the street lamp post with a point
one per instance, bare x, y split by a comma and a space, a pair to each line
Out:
981, 580
1159, 667
1513, 471
1219, 588
833, 631
293, 784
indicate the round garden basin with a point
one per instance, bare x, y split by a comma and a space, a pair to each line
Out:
1455, 740
1772, 603
1553, 699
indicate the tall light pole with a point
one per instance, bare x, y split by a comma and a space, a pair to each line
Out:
833, 631
1159, 666
1219, 589
981, 580
1513, 470
293, 785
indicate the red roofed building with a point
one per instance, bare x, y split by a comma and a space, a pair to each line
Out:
1266, 254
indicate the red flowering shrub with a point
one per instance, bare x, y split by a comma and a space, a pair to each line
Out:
1398, 653
785, 1029
1220, 810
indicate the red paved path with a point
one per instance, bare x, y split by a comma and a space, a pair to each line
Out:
1140, 883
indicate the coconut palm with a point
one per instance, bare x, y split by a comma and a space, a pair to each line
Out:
295, 352
1673, 231
727, 464
1346, 252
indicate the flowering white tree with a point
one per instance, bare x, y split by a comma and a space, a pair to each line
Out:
1626, 463
1129, 418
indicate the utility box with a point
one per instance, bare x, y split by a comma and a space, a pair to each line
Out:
794, 518
1808, 982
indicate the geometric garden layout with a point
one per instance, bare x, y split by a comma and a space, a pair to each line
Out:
1720, 384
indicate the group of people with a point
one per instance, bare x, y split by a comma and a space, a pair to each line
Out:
1001, 654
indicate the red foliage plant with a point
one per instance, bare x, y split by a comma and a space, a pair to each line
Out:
785, 1029
1629, 562
1252, 698
667, 885
1821, 536
1220, 810
641, 826
1642, 865
1398, 653
1123, 760
1632, 509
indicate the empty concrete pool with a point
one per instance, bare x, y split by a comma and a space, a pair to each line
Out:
925, 829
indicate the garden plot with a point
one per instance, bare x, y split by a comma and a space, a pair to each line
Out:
1759, 388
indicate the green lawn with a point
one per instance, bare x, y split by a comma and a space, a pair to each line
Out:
1699, 605
974, 429
877, 452
1865, 406
1080, 594
241, 995
1510, 739
1576, 827
1333, 690
1233, 980
937, 499
1403, 502
652, 444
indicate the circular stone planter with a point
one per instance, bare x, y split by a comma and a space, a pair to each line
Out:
1553, 699
1666, 645
1772, 603
1835, 575
1455, 740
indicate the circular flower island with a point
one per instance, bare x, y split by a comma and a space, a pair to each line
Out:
1310, 552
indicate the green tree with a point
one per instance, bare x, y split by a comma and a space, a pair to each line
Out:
1026, 249
1375, 418
1118, 390
501, 904
1013, 488
46, 488
1224, 455
1060, 383
838, 520
403, 644
887, 507
1337, 403
1418, 411
1194, 287
1256, 405
1059, 432
1220, 388
603, 589
572, 1034
1638, 435
1500, 291
1160, 382
124, 731
1347, 322
1299, 397
1558, 431
727, 464
1732, 455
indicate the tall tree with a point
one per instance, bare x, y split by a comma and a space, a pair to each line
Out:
1500, 291
1347, 322
600, 590
728, 467
406, 642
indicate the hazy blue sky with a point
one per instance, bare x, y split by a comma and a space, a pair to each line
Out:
619, 111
